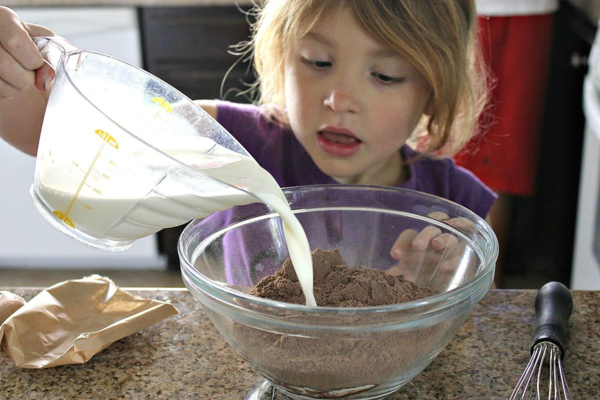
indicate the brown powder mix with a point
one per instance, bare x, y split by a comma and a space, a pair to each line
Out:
338, 285
335, 365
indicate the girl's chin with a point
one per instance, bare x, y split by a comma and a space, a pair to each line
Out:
350, 173
339, 174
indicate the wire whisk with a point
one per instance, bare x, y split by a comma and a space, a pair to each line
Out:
544, 376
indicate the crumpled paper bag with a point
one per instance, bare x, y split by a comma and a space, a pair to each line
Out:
71, 321
9, 303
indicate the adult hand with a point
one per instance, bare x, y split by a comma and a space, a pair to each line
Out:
21, 64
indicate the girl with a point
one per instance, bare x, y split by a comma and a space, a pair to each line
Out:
351, 91
345, 85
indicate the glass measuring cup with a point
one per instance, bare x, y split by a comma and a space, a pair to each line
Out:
123, 155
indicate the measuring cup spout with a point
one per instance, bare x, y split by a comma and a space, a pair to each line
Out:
53, 48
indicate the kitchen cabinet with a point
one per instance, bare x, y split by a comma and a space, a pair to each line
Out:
191, 48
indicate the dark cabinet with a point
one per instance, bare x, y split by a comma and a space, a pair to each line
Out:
191, 48
543, 229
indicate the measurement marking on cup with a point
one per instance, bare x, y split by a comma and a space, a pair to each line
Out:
106, 138
101, 174
163, 103
111, 162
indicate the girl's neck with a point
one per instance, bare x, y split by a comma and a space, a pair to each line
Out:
393, 172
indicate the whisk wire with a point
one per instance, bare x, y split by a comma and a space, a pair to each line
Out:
563, 382
556, 388
542, 356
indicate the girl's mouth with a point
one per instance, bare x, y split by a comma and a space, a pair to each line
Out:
338, 142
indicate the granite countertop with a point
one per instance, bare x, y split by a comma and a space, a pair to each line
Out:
184, 357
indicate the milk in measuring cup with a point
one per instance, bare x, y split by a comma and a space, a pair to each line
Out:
129, 212
104, 177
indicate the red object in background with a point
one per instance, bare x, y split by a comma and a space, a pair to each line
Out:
517, 50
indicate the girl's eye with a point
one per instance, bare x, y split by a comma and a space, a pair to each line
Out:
317, 63
386, 79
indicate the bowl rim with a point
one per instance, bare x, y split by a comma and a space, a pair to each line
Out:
462, 291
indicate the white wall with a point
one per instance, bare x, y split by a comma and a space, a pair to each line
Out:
586, 265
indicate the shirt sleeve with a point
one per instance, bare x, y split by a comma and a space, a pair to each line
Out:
470, 191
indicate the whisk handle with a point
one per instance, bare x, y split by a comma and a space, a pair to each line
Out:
553, 307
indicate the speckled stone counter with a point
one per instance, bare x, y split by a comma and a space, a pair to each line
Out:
183, 357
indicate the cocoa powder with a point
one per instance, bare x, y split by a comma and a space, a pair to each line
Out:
338, 285
323, 364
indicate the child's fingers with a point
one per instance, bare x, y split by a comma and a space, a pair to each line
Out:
409, 240
403, 244
425, 237
444, 241
462, 224
440, 216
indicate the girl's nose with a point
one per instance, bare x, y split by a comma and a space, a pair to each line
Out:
342, 100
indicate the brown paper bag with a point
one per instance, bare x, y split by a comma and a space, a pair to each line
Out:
9, 303
70, 322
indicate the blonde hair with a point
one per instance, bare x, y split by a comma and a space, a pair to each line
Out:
438, 37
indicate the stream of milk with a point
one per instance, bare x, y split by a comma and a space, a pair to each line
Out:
128, 211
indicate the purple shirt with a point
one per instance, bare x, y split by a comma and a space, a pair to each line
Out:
252, 255
278, 151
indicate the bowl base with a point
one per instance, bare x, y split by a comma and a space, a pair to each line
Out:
266, 391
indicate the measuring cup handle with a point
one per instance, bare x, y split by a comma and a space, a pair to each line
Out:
53, 48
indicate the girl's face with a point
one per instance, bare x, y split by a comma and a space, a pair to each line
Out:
351, 102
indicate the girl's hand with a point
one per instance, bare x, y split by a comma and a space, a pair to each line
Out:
410, 240
21, 64
421, 254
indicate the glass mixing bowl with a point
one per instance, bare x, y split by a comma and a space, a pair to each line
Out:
327, 352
